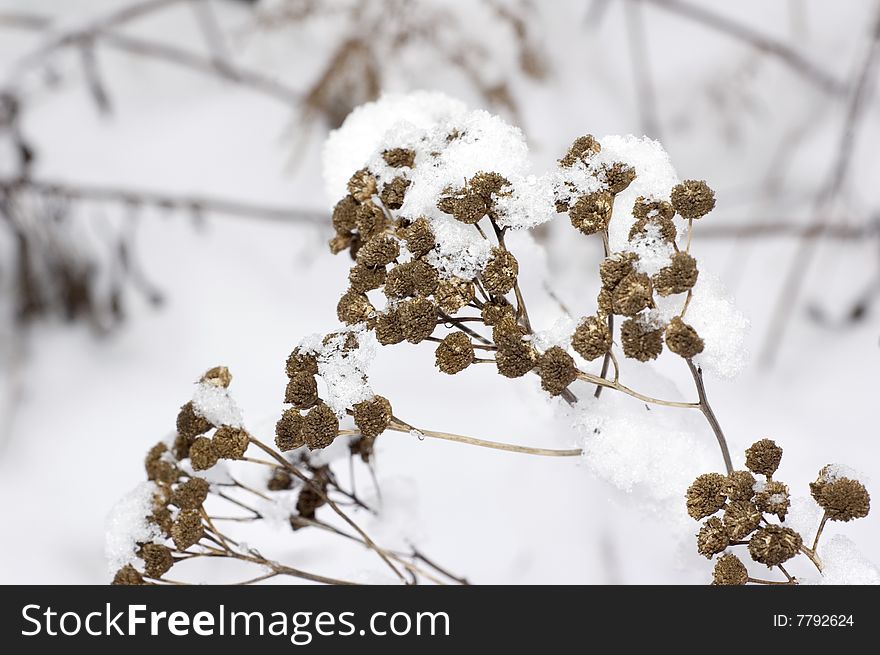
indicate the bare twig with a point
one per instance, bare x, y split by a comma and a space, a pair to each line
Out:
710, 415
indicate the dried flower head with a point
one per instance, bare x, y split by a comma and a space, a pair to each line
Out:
187, 530
632, 295
160, 465
514, 357
496, 310
682, 339
345, 215
465, 206
419, 237
763, 457
362, 185
679, 276
354, 307
399, 157
693, 198
740, 485
591, 338
410, 279
842, 498
230, 442
649, 208
380, 250
773, 545
191, 494
190, 424
418, 318
501, 271
157, 560
288, 431
307, 502
773, 498
729, 570
388, 329
583, 148
219, 376
202, 454
369, 219
557, 370
615, 268
372, 416
320, 427
604, 303
300, 362
455, 353
128, 575
712, 538
486, 184
706, 495
280, 480
741, 518
301, 391
341, 242
394, 192
363, 278
453, 293
640, 340
664, 227
618, 176
591, 212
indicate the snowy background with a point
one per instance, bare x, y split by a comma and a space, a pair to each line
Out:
756, 99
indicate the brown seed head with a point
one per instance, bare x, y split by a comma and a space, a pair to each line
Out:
399, 157
615, 268
453, 293
191, 494
280, 480
362, 185
591, 338
648, 208
664, 226
583, 148
640, 341
202, 454
218, 376
230, 443
487, 184
706, 495
500, 273
591, 212
729, 570
842, 499
419, 237
455, 353
128, 575
618, 176
496, 310
190, 424
354, 307
418, 318
712, 538
363, 278
157, 560
158, 466
370, 219
693, 198
288, 431
632, 295
320, 427
187, 530
774, 545
372, 416
388, 330
773, 499
741, 518
763, 457
345, 215
740, 485
380, 250
394, 192
300, 362
557, 370
679, 276
301, 391
682, 339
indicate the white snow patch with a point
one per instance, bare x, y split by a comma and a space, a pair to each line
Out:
722, 326
843, 564
215, 404
127, 526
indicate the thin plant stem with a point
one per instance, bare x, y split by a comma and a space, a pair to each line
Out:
706, 409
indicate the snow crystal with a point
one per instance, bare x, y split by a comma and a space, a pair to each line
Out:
214, 403
460, 251
759, 486
834, 472
803, 516
127, 526
842, 563
721, 325
343, 369
653, 250
527, 202
559, 334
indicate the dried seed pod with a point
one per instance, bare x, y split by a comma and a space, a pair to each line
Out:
615, 268
455, 353
693, 198
301, 391
158, 466
729, 570
307, 502
219, 376
191, 494
180, 449
501, 271
640, 341
362, 185
514, 357
190, 424
399, 282
424, 278
591, 212
664, 226
774, 545
363, 278
741, 518
399, 157
632, 295
682, 339
354, 308
618, 176
706, 495
419, 237
486, 184
345, 215
230, 442
679, 276
465, 207
355, 241
340, 242
712, 538
300, 362
380, 250
388, 330
320, 427
187, 530
418, 318
161, 517
591, 338
773, 498
763, 457
453, 293
280, 480
583, 148
128, 575
740, 485
394, 192
604, 303
370, 219
288, 431
557, 370
649, 208
202, 454
372, 416
842, 498
157, 560
496, 310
